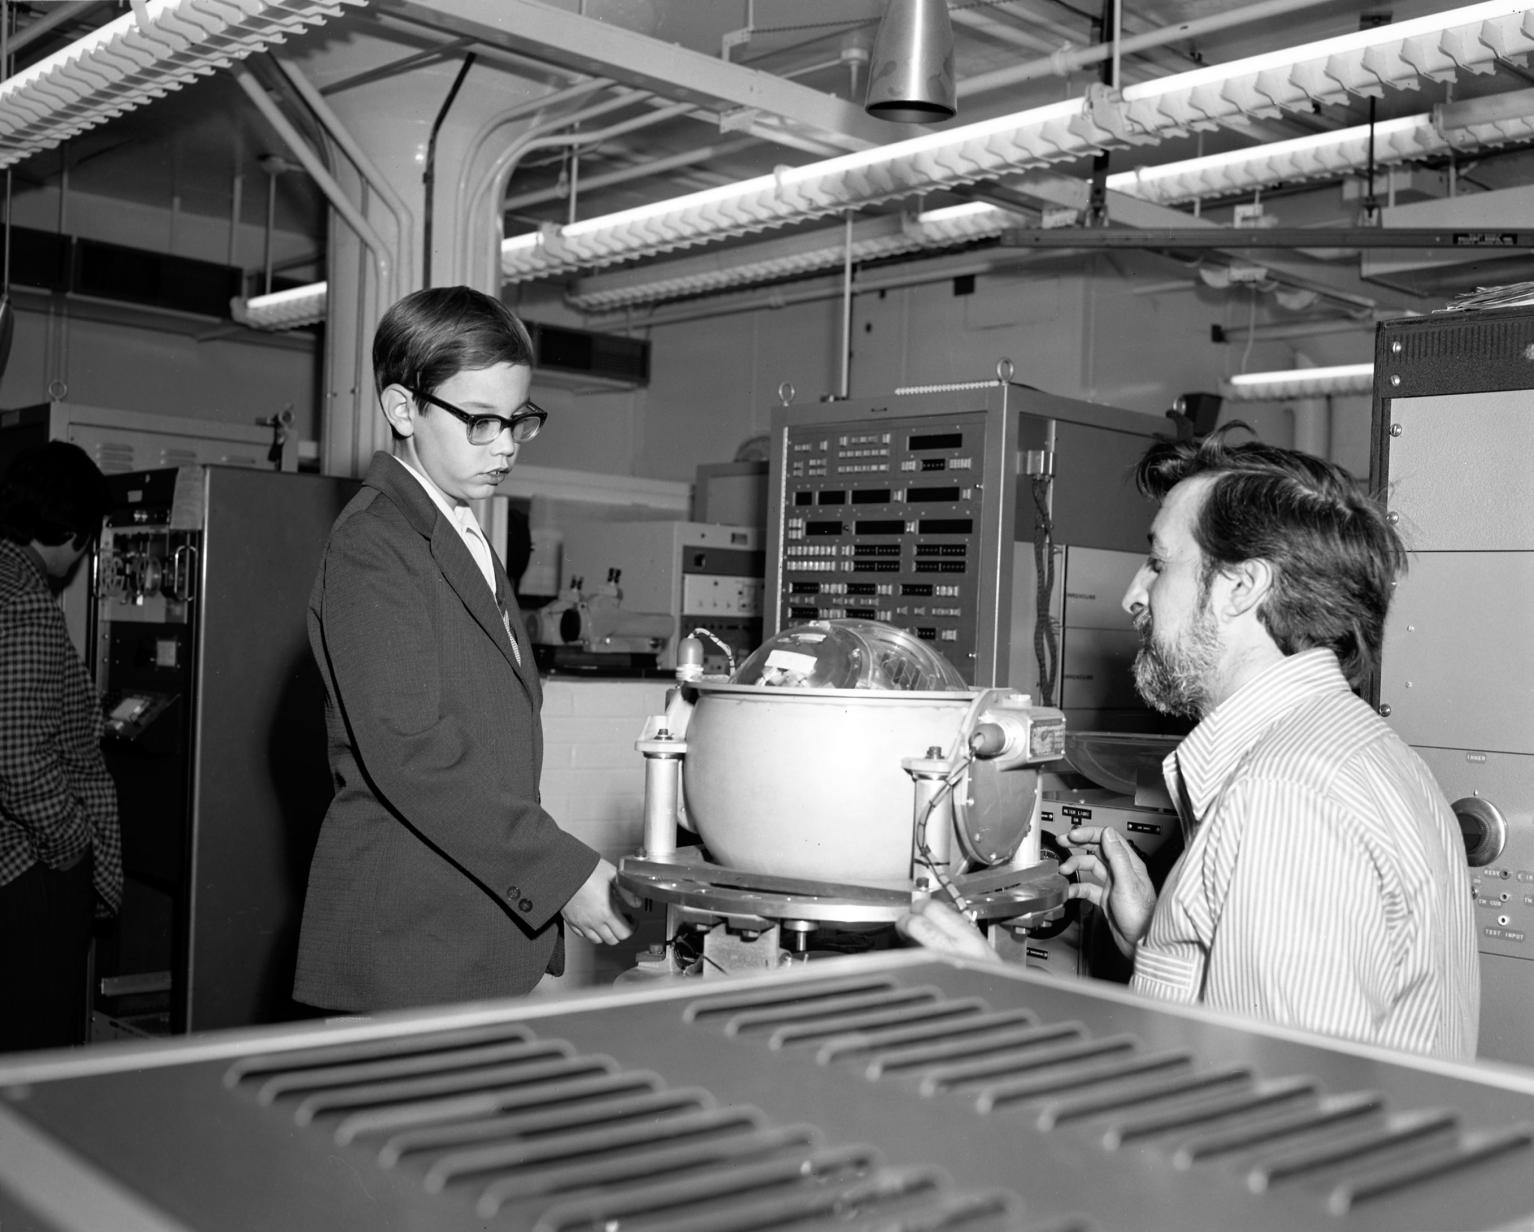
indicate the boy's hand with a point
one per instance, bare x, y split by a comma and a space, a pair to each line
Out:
592, 912
937, 926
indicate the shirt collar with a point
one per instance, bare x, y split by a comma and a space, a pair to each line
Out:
1209, 753
461, 516
25, 551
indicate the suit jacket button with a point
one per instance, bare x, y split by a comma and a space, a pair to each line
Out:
512, 892
525, 905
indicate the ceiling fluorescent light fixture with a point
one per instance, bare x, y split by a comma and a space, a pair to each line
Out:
1408, 48
137, 58
786, 180
1321, 155
1400, 55
1300, 383
794, 256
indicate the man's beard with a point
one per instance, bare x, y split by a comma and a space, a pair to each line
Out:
1174, 679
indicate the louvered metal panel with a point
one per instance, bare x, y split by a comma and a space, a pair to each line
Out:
897, 1092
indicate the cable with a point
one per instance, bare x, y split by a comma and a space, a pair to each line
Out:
1045, 648
924, 851
685, 956
729, 654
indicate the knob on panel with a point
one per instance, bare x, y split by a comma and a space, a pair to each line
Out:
1483, 828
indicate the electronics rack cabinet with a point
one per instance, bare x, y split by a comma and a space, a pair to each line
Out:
1453, 432
126, 441
214, 738
916, 509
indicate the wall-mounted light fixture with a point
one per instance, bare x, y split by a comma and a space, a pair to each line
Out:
910, 73
1299, 383
290, 309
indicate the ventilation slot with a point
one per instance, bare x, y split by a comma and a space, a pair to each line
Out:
525, 1132
1278, 1133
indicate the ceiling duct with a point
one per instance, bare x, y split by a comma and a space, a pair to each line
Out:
160, 46
910, 72
586, 362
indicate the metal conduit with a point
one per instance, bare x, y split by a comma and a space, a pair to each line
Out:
404, 221
360, 226
507, 162
474, 201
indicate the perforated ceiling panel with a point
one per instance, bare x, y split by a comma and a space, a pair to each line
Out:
897, 1093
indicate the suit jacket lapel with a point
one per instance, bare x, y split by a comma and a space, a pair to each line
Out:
451, 554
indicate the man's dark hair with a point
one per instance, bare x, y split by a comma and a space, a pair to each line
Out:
428, 337
1335, 558
52, 493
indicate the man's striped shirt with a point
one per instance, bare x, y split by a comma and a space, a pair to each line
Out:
1324, 885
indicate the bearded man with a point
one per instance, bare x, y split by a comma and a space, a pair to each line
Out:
1323, 881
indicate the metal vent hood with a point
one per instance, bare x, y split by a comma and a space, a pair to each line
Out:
891, 1093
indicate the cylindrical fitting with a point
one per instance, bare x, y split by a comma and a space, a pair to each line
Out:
689, 659
662, 791
931, 843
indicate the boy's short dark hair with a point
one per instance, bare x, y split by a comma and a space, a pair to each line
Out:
52, 493
428, 337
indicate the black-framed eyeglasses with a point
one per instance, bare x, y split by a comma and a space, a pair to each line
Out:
485, 429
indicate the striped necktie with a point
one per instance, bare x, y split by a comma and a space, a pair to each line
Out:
500, 602
479, 548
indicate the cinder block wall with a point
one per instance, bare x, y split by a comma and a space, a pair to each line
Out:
593, 785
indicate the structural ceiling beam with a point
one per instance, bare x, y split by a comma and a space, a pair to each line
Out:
1325, 240
1046, 188
578, 44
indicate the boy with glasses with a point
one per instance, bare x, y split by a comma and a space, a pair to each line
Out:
437, 875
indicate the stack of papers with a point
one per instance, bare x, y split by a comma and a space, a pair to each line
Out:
1513, 295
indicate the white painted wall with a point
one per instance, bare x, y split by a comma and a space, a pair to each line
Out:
120, 367
1111, 329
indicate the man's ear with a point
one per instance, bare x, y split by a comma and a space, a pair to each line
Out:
398, 407
1247, 584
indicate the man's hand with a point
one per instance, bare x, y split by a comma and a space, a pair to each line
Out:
1113, 877
593, 912
937, 926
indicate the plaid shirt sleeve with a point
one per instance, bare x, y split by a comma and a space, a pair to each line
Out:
57, 799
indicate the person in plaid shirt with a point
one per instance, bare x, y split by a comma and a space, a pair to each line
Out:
60, 850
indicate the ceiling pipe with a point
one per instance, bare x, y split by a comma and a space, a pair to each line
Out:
61, 15
625, 175
360, 226
320, 174
429, 175
404, 220
990, 27
1062, 63
503, 167
476, 200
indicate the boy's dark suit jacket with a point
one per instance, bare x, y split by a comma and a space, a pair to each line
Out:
437, 875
